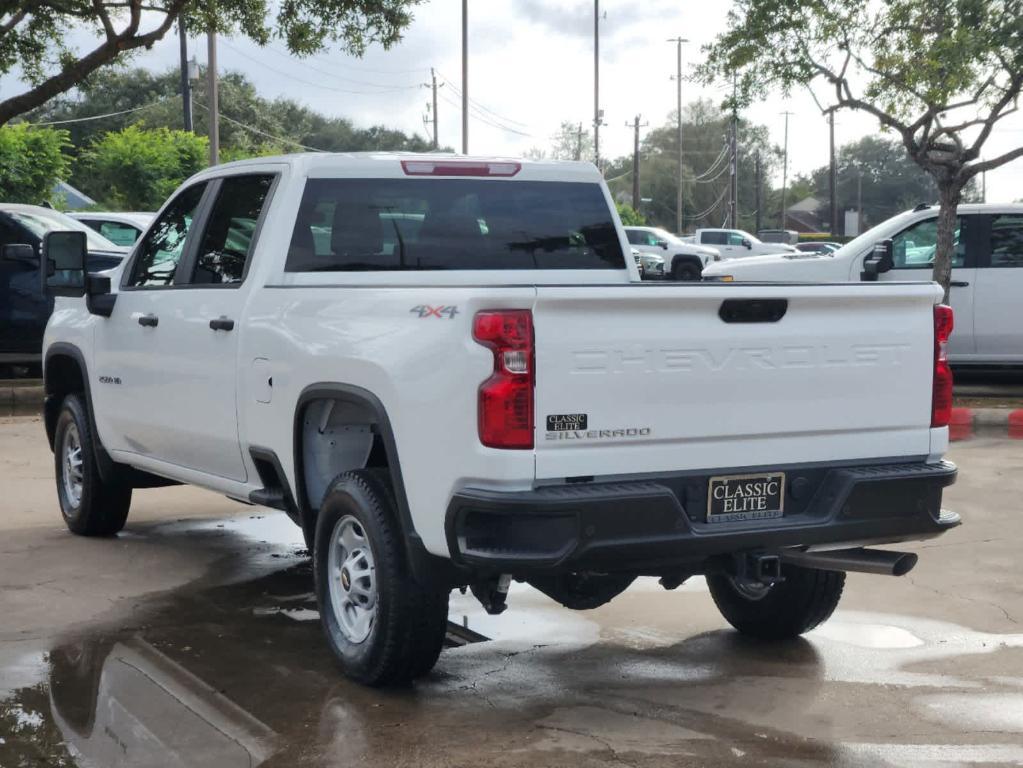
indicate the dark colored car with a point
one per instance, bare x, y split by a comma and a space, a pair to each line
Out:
24, 309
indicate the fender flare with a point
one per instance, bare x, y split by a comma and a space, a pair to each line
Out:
426, 567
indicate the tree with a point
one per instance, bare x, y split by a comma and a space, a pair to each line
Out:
940, 74
571, 142
247, 119
630, 216
705, 127
32, 160
33, 33
137, 169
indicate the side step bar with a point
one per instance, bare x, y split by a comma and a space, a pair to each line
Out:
862, 560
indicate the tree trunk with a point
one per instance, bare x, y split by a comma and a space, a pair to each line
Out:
949, 195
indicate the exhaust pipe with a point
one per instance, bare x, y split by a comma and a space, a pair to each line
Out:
862, 560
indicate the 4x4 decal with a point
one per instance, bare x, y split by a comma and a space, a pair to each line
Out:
425, 310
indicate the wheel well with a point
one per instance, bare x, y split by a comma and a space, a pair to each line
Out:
335, 435
62, 376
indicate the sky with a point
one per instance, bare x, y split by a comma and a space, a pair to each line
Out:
530, 68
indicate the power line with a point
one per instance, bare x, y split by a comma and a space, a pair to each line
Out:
328, 73
484, 119
710, 210
319, 85
480, 106
108, 114
247, 127
368, 70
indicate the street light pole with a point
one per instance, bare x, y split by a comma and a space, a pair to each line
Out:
596, 83
785, 174
212, 97
678, 83
186, 86
465, 77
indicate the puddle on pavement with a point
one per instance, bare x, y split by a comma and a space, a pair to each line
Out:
234, 672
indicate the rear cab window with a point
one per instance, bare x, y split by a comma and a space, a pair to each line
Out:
350, 225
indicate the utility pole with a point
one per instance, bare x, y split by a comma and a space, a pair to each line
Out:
213, 103
859, 202
678, 83
597, 116
983, 186
579, 143
465, 77
186, 86
785, 174
635, 125
433, 79
758, 184
833, 177
733, 191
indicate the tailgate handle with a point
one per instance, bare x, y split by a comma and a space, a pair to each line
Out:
753, 310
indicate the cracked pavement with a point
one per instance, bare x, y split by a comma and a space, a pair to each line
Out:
192, 639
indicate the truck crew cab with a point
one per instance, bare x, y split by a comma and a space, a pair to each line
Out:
432, 363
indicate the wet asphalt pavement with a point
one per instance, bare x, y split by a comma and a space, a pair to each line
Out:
192, 639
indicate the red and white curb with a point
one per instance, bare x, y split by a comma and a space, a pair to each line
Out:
966, 421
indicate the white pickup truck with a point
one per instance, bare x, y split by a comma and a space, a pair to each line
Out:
737, 243
447, 372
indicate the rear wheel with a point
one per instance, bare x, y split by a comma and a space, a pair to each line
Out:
381, 624
806, 598
90, 505
686, 272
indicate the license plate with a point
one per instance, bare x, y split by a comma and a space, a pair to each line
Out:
733, 498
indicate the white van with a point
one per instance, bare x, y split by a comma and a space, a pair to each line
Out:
987, 273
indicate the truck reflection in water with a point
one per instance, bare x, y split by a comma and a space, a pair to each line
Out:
125, 703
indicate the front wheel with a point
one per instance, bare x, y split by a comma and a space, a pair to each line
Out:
381, 624
90, 505
686, 272
806, 598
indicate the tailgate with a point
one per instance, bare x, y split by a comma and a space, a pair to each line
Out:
648, 378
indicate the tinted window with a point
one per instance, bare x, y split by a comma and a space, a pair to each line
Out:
734, 238
116, 232
913, 248
714, 238
1007, 241
634, 236
159, 253
227, 243
424, 224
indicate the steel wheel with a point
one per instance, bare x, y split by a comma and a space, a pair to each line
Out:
352, 575
751, 590
71, 462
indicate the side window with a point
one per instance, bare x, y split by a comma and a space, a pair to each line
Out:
652, 239
227, 243
1007, 241
714, 238
913, 248
159, 254
635, 237
734, 238
116, 232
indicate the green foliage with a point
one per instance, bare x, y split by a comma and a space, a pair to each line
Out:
571, 142
939, 73
32, 160
114, 90
34, 35
138, 168
630, 216
706, 171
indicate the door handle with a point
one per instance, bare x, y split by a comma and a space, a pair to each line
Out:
222, 324
959, 284
149, 321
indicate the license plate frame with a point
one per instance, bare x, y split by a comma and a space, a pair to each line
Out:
749, 503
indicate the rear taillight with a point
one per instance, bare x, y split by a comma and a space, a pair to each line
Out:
506, 398
941, 398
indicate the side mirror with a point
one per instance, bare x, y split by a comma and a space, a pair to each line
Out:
663, 244
747, 244
63, 264
21, 253
878, 262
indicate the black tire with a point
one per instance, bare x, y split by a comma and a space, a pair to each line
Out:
410, 621
685, 272
101, 508
806, 598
